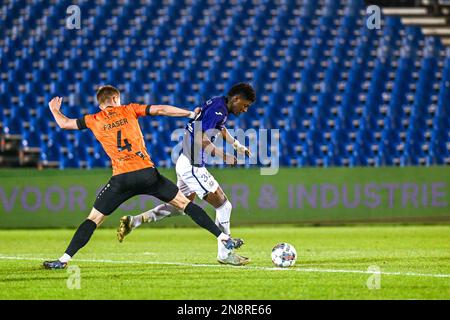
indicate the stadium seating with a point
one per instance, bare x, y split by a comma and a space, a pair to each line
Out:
343, 94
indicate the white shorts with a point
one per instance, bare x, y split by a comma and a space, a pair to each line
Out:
192, 179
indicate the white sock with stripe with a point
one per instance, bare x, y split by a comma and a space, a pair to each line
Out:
223, 215
160, 212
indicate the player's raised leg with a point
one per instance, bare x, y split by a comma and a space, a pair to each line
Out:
158, 213
128, 223
164, 210
216, 197
189, 184
167, 191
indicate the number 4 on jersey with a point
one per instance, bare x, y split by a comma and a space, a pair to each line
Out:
121, 147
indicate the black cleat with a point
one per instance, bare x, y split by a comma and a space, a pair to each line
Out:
232, 243
54, 264
125, 227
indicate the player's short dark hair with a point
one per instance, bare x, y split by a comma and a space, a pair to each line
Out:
105, 93
245, 90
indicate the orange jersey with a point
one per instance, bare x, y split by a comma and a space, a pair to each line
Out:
118, 131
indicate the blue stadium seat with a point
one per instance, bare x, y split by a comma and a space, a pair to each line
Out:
49, 152
31, 139
68, 161
12, 126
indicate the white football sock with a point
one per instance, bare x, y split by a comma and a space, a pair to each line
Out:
223, 214
65, 258
160, 212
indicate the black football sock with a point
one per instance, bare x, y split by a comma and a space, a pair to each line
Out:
81, 237
201, 218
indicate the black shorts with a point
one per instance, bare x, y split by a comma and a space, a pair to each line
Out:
123, 186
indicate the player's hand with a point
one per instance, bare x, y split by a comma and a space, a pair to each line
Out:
245, 151
55, 104
241, 149
230, 159
197, 110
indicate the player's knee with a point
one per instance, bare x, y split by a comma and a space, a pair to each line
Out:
180, 202
221, 196
97, 217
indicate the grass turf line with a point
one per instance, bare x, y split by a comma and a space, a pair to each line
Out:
180, 264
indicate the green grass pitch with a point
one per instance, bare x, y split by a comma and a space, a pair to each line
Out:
179, 263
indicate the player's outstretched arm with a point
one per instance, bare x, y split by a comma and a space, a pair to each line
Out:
210, 148
62, 121
226, 135
236, 144
171, 111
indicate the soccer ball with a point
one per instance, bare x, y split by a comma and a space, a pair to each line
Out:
284, 255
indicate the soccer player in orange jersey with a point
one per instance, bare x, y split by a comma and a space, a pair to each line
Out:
116, 127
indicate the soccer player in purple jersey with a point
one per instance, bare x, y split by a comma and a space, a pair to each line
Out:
192, 176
